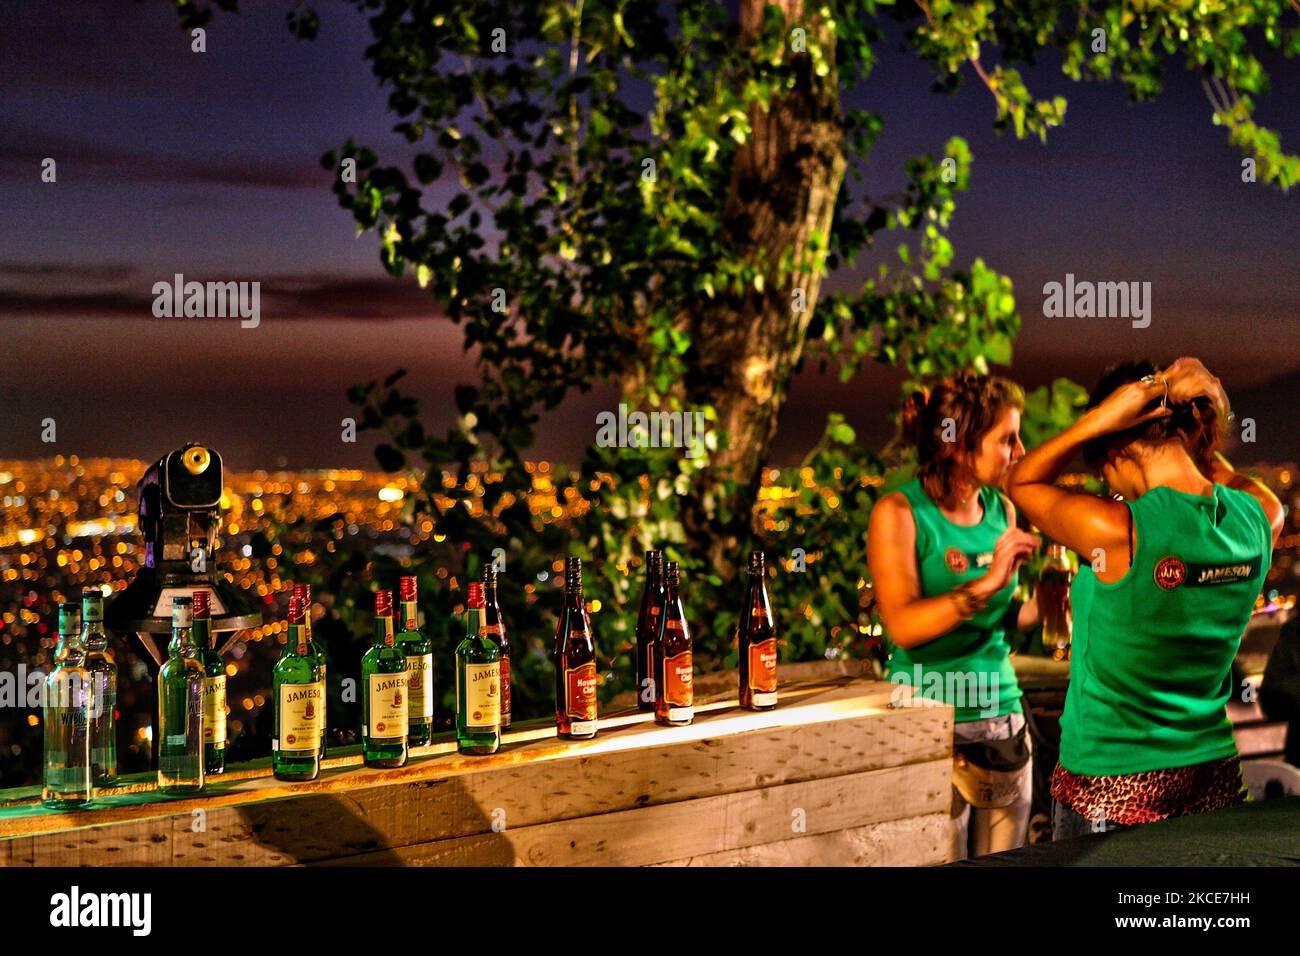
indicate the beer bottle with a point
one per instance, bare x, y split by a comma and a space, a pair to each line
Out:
647, 630
756, 642
575, 661
674, 670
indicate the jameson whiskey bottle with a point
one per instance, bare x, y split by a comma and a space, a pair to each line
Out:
180, 707
303, 592
478, 682
496, 629
756, 642
67, 718
298, 689
103, 689
214, 687
647, 630
419, 667
383, 682
675, 671
575, 661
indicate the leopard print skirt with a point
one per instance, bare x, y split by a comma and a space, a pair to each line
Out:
1135, 798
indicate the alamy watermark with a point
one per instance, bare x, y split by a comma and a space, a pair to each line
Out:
1098, 300
976, 690
29, 690
209, 300
637, 429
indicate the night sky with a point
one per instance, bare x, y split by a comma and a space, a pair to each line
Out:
208, 165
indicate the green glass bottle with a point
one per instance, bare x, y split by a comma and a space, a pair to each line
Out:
383, 684
419, 666
214, 687
180, 707
478, 682
303, 591
68, 783
103, 689
299, 695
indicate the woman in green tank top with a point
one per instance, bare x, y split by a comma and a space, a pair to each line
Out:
1167, 582
943, 551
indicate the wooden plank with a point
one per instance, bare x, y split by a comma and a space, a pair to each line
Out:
336, 824
826, 705
912, 841
695, 827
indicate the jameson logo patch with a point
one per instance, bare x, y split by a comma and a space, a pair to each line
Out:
956, 560
1208, 575
1170, 572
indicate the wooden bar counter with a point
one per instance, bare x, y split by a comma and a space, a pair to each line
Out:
834, 775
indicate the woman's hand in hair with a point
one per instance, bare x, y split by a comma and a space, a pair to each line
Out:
1125, 407
1189, 380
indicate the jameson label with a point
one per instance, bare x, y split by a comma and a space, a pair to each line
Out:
679, 687
388, 709
580, 687
1209, 575
762, 671
302, 706
482, 697
214, 710
419, 685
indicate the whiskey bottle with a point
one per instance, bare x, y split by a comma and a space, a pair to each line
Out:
103, 689
303, 592
180, 707
299, 694
383, 683
478, 682
67, 718
418, 649
756, 642
214, 687
496, 629
575, 661
675, 701
647, 630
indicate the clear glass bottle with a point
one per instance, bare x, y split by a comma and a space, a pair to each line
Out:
181, 683
103, 689
68, 784
478, 682
1054, 602
383, 683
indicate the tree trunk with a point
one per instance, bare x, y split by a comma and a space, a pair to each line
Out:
780, 203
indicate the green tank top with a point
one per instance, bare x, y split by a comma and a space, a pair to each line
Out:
1151, 656
970, 666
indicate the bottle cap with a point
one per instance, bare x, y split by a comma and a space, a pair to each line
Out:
295, 610
303, 591
406, 587
202, 605
383, 604
756, 562
475, 594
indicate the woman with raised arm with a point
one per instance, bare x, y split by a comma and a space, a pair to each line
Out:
1167, 582
943, 551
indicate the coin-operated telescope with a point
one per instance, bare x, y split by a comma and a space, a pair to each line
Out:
179, 519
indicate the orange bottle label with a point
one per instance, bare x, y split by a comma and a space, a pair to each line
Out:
679, 680
762, 666
581, 684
